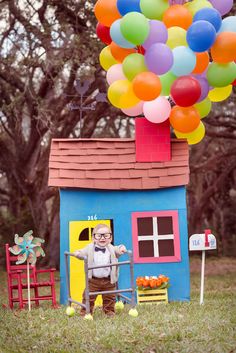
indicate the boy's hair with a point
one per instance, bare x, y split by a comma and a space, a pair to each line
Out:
99, 226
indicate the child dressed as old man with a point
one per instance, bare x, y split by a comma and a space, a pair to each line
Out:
102, 252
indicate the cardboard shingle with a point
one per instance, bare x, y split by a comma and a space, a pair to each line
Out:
110, 164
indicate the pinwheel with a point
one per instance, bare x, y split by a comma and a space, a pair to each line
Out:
27, 248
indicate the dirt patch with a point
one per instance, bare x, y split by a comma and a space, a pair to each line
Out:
213, 265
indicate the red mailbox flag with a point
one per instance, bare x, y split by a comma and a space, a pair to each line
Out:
207, 232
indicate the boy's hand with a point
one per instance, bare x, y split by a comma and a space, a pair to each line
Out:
122, 249
77, 254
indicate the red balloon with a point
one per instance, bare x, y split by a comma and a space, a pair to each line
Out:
185, 91
234, 83
141, 50
103, 33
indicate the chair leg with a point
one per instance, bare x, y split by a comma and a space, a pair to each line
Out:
53, 291
54, 301
36, 293
10, 298
20, 293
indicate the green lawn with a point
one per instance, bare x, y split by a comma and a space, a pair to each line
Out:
175, 327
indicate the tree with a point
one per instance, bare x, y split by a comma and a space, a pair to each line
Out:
212, 191
45, 46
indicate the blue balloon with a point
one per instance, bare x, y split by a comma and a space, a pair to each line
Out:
210, 15
125, 6
184, 61
201, 36
228, 24
118, 37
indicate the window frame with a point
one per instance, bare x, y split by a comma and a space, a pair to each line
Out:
175, 221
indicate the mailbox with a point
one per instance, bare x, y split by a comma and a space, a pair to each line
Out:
200, 242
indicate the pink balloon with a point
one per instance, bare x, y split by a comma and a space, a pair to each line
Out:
158, 110
134, 111
115, 73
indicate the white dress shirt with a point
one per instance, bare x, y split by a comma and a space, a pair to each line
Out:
101, 258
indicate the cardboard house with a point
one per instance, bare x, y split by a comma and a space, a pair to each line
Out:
138, 187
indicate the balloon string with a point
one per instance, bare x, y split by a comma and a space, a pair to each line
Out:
178, 2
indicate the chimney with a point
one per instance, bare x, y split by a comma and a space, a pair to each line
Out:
152, 141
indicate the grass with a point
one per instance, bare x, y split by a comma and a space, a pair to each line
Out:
173, 328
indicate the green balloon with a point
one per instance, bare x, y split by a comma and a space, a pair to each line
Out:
133, 65
135, 27
203, 107
166, 83
154, 9
221, 75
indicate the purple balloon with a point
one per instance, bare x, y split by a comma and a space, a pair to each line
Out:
157, 34
204, 87
159, 58
223, 6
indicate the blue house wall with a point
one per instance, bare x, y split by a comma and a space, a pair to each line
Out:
79, 204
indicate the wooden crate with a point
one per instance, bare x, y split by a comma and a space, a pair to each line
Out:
152, 296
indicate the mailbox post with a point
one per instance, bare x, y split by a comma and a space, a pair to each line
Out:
202, 242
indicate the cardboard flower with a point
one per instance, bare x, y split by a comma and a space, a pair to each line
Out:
27, 248
152, 282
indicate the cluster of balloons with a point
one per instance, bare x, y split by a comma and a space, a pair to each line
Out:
158, 49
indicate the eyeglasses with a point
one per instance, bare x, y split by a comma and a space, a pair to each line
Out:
99, 236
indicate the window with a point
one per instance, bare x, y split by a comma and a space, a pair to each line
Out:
156, 236
84, 235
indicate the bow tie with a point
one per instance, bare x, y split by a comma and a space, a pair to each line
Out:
100, 249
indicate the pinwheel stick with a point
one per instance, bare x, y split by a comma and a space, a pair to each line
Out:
28, 283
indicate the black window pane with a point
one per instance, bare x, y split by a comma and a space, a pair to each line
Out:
145, 226
84, 235
146, 248
165, 225
166, 247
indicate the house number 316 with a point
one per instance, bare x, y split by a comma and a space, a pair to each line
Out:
92, 218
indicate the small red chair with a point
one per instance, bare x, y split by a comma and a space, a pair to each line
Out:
17, 282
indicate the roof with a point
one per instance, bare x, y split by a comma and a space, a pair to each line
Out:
110, 164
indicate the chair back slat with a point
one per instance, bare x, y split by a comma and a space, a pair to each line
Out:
12, 258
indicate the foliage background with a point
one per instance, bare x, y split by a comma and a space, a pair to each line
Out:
46, 45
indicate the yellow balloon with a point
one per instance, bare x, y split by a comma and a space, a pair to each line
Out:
176, 37
106, 59
196, 5
129, 100
219, 94
193, 137
121, 95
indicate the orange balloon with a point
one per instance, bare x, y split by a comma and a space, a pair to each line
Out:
147, 86
106, 12
202, 62
177, 15
184, 119
120, 53
224, 48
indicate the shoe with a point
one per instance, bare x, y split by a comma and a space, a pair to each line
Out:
110, 314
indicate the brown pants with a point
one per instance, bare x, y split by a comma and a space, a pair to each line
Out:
108, 300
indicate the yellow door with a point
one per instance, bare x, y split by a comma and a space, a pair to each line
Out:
80, 236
